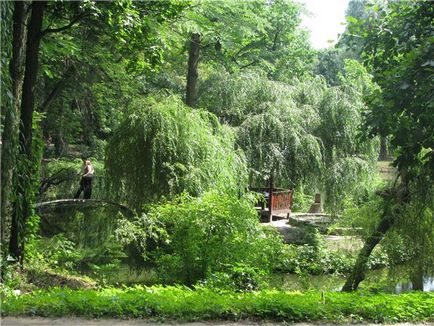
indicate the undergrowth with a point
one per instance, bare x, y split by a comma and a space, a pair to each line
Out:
185, 304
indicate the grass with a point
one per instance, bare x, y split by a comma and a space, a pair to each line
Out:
184, 304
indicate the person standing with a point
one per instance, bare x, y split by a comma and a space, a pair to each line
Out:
86, 180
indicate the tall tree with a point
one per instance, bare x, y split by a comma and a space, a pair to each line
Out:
132, 22
24, 169
296, 130
398, 50
246, 34
11, 109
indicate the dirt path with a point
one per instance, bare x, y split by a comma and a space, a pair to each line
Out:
74, 321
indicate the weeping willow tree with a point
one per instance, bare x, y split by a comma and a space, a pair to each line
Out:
305, 134
164, 148
349, 159
273, 131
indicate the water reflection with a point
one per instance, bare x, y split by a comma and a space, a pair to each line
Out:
85, 226
405, 286
376, 281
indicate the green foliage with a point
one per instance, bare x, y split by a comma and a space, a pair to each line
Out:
412, 238
165, 148
313, 257
274, 132
239, 278
261, 34
134, 28
90, 70
184, 304
25, 223
77, 241
12, 277
139, 236
212, 234
307, 133
301, 201
6, 9
60, 254
397, 47
364, 216
329, 63
308, 259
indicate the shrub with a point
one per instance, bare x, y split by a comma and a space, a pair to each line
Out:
211, 234
239, 278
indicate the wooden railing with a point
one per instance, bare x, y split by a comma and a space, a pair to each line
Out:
281, 201
278, 204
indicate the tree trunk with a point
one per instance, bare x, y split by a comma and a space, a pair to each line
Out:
32, 66
417, 278
59, 142
192, 75
12, 113
358, 273
23, 204
383, 149
395, 201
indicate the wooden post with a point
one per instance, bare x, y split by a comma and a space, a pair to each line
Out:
270, 191
192, 73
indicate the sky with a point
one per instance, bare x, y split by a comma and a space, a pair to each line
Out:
325, 22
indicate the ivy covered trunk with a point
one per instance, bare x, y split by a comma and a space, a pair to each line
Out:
25, 169
192, 74
11, 112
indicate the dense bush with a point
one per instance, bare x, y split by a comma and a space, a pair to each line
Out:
239, 278
180, 303
211, 234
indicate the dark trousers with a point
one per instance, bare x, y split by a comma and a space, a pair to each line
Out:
86, 187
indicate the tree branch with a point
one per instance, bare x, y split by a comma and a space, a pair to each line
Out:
249, 64
50, 98
60, 29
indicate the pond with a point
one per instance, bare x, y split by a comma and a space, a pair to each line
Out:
87, 223
377, 281
92, 227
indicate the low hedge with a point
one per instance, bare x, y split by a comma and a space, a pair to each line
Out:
184, 304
